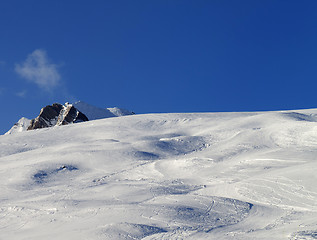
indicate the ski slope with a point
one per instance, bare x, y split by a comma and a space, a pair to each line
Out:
163, 176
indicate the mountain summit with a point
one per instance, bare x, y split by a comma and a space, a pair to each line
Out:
58, 114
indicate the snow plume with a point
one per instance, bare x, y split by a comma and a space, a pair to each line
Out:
38, 69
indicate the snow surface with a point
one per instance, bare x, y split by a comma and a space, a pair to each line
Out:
163, 176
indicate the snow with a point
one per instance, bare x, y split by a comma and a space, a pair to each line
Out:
20, 126
163, 176
93, 113
119, 112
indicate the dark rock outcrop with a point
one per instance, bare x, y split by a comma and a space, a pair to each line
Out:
57, 114
71, 115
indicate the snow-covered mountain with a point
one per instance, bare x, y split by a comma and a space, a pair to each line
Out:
163, 176
94, 113
21, 126
58, 114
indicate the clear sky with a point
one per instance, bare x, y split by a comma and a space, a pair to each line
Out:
158, 55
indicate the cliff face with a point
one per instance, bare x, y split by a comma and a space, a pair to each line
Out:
56, 115
70, 114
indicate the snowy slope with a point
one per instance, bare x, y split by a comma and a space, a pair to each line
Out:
163, 176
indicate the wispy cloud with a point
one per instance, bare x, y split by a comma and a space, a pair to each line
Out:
22, 93
38, 69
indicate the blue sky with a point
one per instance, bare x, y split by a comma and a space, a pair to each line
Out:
157, 56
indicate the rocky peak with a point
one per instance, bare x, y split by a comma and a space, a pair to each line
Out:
70, 114
56, 115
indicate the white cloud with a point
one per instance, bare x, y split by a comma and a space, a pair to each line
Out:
38, 69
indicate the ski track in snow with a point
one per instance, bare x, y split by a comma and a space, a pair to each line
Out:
163, 176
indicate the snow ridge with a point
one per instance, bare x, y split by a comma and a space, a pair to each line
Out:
21, 126
94, 113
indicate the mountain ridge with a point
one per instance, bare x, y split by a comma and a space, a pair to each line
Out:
58, 114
